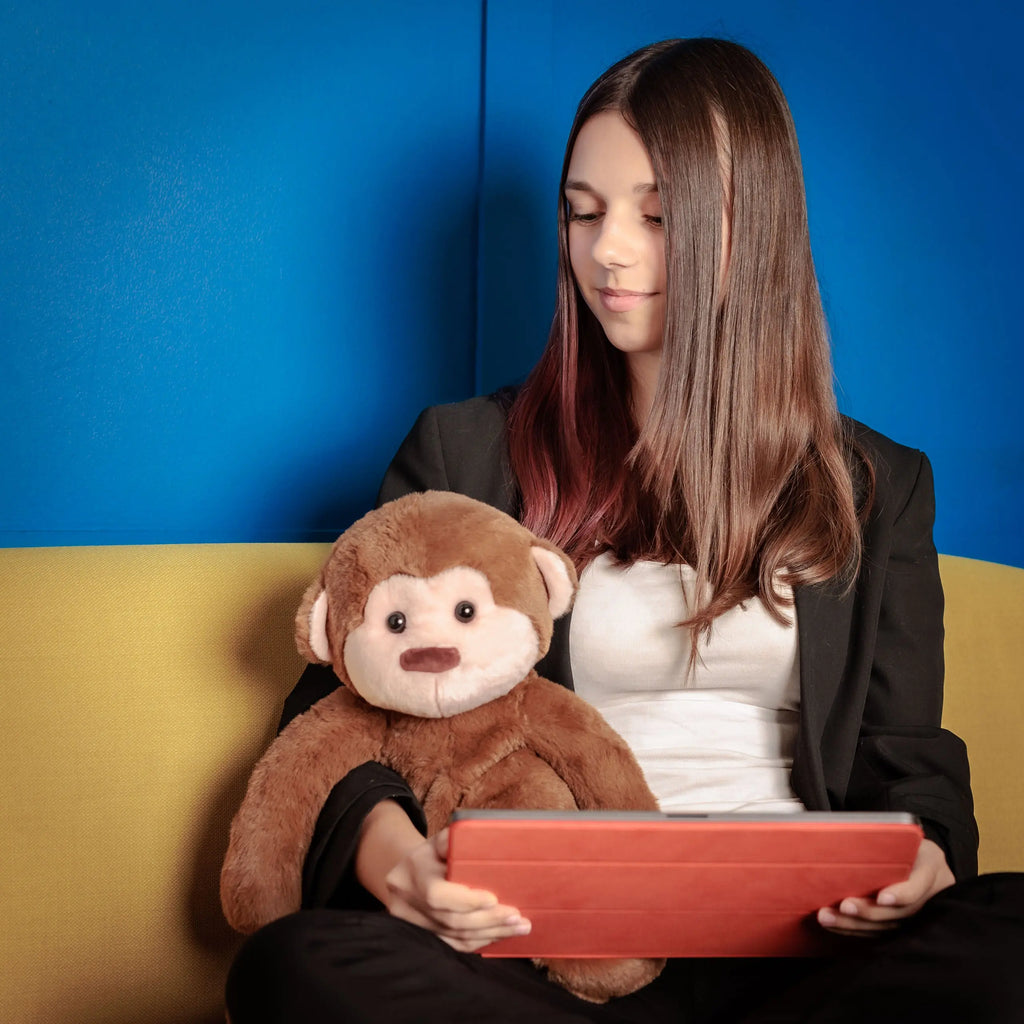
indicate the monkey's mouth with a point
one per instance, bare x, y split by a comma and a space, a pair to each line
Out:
429, 659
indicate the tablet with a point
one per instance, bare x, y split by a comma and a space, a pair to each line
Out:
613, 884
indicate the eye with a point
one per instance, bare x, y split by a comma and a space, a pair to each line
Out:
464, 611
396, 622
654, 220
584, 218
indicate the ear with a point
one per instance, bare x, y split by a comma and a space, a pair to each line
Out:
311, 626
561, 586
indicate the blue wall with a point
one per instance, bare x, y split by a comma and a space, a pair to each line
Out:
241, 245
237, 249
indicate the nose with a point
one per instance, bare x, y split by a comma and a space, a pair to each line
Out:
429, 659
615, 245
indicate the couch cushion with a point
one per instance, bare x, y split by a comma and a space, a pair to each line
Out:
984, 697
139, 686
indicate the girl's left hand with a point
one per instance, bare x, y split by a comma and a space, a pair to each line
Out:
859, 915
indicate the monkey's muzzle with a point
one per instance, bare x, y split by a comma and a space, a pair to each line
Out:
429, 659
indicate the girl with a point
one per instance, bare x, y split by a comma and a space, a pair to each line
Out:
760, 612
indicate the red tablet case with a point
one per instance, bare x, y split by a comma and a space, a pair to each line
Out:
603, 884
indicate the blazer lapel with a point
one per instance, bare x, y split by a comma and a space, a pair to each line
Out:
823, 621
556, 664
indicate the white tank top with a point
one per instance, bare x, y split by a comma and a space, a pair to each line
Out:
718, 739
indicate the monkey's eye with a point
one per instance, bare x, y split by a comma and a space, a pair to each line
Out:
396, 622
464, 611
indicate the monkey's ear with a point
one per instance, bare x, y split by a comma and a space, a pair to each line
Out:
311, 626
559, 578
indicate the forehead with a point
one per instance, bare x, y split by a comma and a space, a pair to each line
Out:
447, 587
607, 153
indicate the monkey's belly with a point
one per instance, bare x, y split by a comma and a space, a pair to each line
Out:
521, 780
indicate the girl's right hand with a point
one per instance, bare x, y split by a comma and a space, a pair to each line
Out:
407, 874
467, 919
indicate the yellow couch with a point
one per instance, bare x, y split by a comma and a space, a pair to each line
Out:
139, 685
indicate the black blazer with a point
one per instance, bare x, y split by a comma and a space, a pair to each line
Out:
871, 661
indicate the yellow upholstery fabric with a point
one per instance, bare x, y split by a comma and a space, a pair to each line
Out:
984, 697
140, 684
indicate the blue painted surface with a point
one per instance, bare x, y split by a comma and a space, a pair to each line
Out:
238, 247
242, 244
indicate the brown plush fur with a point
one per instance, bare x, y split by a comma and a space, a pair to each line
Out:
538, 746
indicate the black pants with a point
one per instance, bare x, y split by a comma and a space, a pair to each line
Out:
961, 959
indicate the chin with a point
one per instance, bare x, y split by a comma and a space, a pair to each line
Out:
633, 344
630, 338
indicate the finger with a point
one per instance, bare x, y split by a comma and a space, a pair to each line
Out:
438, 893
498, 922
477, 939
441, 844
506, 928
866, 909
453, 897
468, 928
914, 890
929, 875
863, 929
845, 924
473, 929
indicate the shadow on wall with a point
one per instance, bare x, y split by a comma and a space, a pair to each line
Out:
331, 481
518, 268
266, 655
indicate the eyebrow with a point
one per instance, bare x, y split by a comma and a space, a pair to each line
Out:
645, 188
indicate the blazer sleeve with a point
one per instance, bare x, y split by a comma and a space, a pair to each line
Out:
904, 760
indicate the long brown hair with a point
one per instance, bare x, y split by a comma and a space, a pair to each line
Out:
742, 469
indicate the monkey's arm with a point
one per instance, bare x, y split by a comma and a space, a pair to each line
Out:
593, 759
261, 879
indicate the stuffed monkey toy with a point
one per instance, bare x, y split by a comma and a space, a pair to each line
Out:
433, 610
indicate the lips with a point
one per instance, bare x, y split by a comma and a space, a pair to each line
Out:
620, 300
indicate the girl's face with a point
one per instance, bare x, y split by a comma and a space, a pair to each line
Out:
616, 241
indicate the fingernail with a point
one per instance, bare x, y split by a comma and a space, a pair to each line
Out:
826, 916
523, 928
848, 907
886, 899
